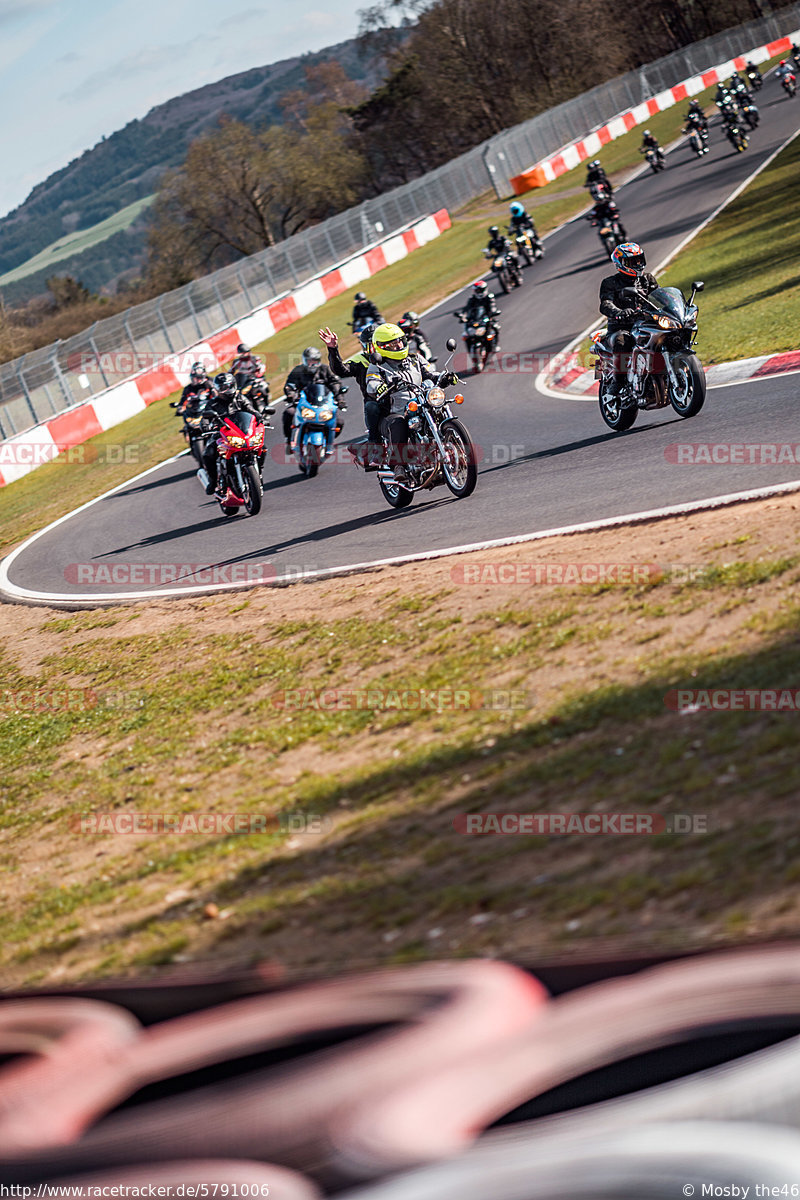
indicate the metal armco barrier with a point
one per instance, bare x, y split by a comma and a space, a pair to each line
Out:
48, 381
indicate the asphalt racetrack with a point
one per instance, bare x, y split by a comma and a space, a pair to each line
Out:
545, 462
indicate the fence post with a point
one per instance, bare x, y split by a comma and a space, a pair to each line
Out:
62, 383
95, 351
193, 311
19, 369
243, 285
163, 324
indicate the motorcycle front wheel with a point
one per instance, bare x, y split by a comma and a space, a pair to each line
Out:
616, 416
691, 395
459, 464
503, 280
251, 491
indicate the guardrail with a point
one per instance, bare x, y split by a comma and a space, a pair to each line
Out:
48, 381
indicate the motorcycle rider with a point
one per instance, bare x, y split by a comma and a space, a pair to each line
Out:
481, 308
696, 117
356, 367
618, 296
497, 243
522, 222
246, 363
310, 370
421, 339
651, 143
198, 383
605, 211
752, 72
364, 312
386, 375
227, 399
784, 70
596, 174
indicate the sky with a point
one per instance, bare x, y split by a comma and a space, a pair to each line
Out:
72, 71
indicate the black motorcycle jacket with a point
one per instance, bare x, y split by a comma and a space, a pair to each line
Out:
650, 143
499, 245
617, 303
596, 175
525, 222
604, 210
301, 377
365, 311
355, 367
481, 308
190, 394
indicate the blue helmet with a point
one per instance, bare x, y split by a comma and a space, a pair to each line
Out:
517, 209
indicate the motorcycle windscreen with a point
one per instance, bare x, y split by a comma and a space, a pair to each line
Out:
670, 300
317, 394
244, 420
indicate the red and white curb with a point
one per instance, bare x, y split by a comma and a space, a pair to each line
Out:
25, 451
573, 378
574, 153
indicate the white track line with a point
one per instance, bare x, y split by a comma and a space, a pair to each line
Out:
10, 591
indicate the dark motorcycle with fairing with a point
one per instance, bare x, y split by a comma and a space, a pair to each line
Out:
195, 429
480, 338
754, 78
505, 266
440, 449
662, 368
608, 225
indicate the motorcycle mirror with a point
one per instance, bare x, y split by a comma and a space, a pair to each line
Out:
698, 286
451, 343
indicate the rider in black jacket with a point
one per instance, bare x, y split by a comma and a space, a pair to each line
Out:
198, 383
618, 301
311, 370
364, 312
596, 174
228, 399
606, 210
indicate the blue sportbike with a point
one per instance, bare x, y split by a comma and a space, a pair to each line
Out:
316, 423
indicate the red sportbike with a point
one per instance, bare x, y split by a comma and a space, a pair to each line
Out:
240, 459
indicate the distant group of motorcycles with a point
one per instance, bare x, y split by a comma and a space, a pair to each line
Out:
225, 420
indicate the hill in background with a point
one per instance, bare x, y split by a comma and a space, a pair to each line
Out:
127, 167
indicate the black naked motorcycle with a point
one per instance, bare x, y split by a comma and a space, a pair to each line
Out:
662, 368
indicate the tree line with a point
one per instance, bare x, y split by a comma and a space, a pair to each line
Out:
462, 71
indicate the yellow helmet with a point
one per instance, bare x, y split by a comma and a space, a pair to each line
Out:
390, 341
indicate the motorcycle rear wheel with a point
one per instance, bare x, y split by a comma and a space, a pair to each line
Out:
398, 497
693, 395
616, 416
462, 476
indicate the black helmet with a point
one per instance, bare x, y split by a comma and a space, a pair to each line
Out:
365, 335
493, 231
411, 316
198, 373
312, 358
225, 383
595, 162
242, 349
480, 288
360, 296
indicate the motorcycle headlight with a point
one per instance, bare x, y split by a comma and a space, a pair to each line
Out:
480, 331
236, 442
668, 323
325, 414
436, 397
257, 439
498, 262
308, 414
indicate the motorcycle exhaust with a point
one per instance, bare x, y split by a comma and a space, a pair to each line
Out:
202, 475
